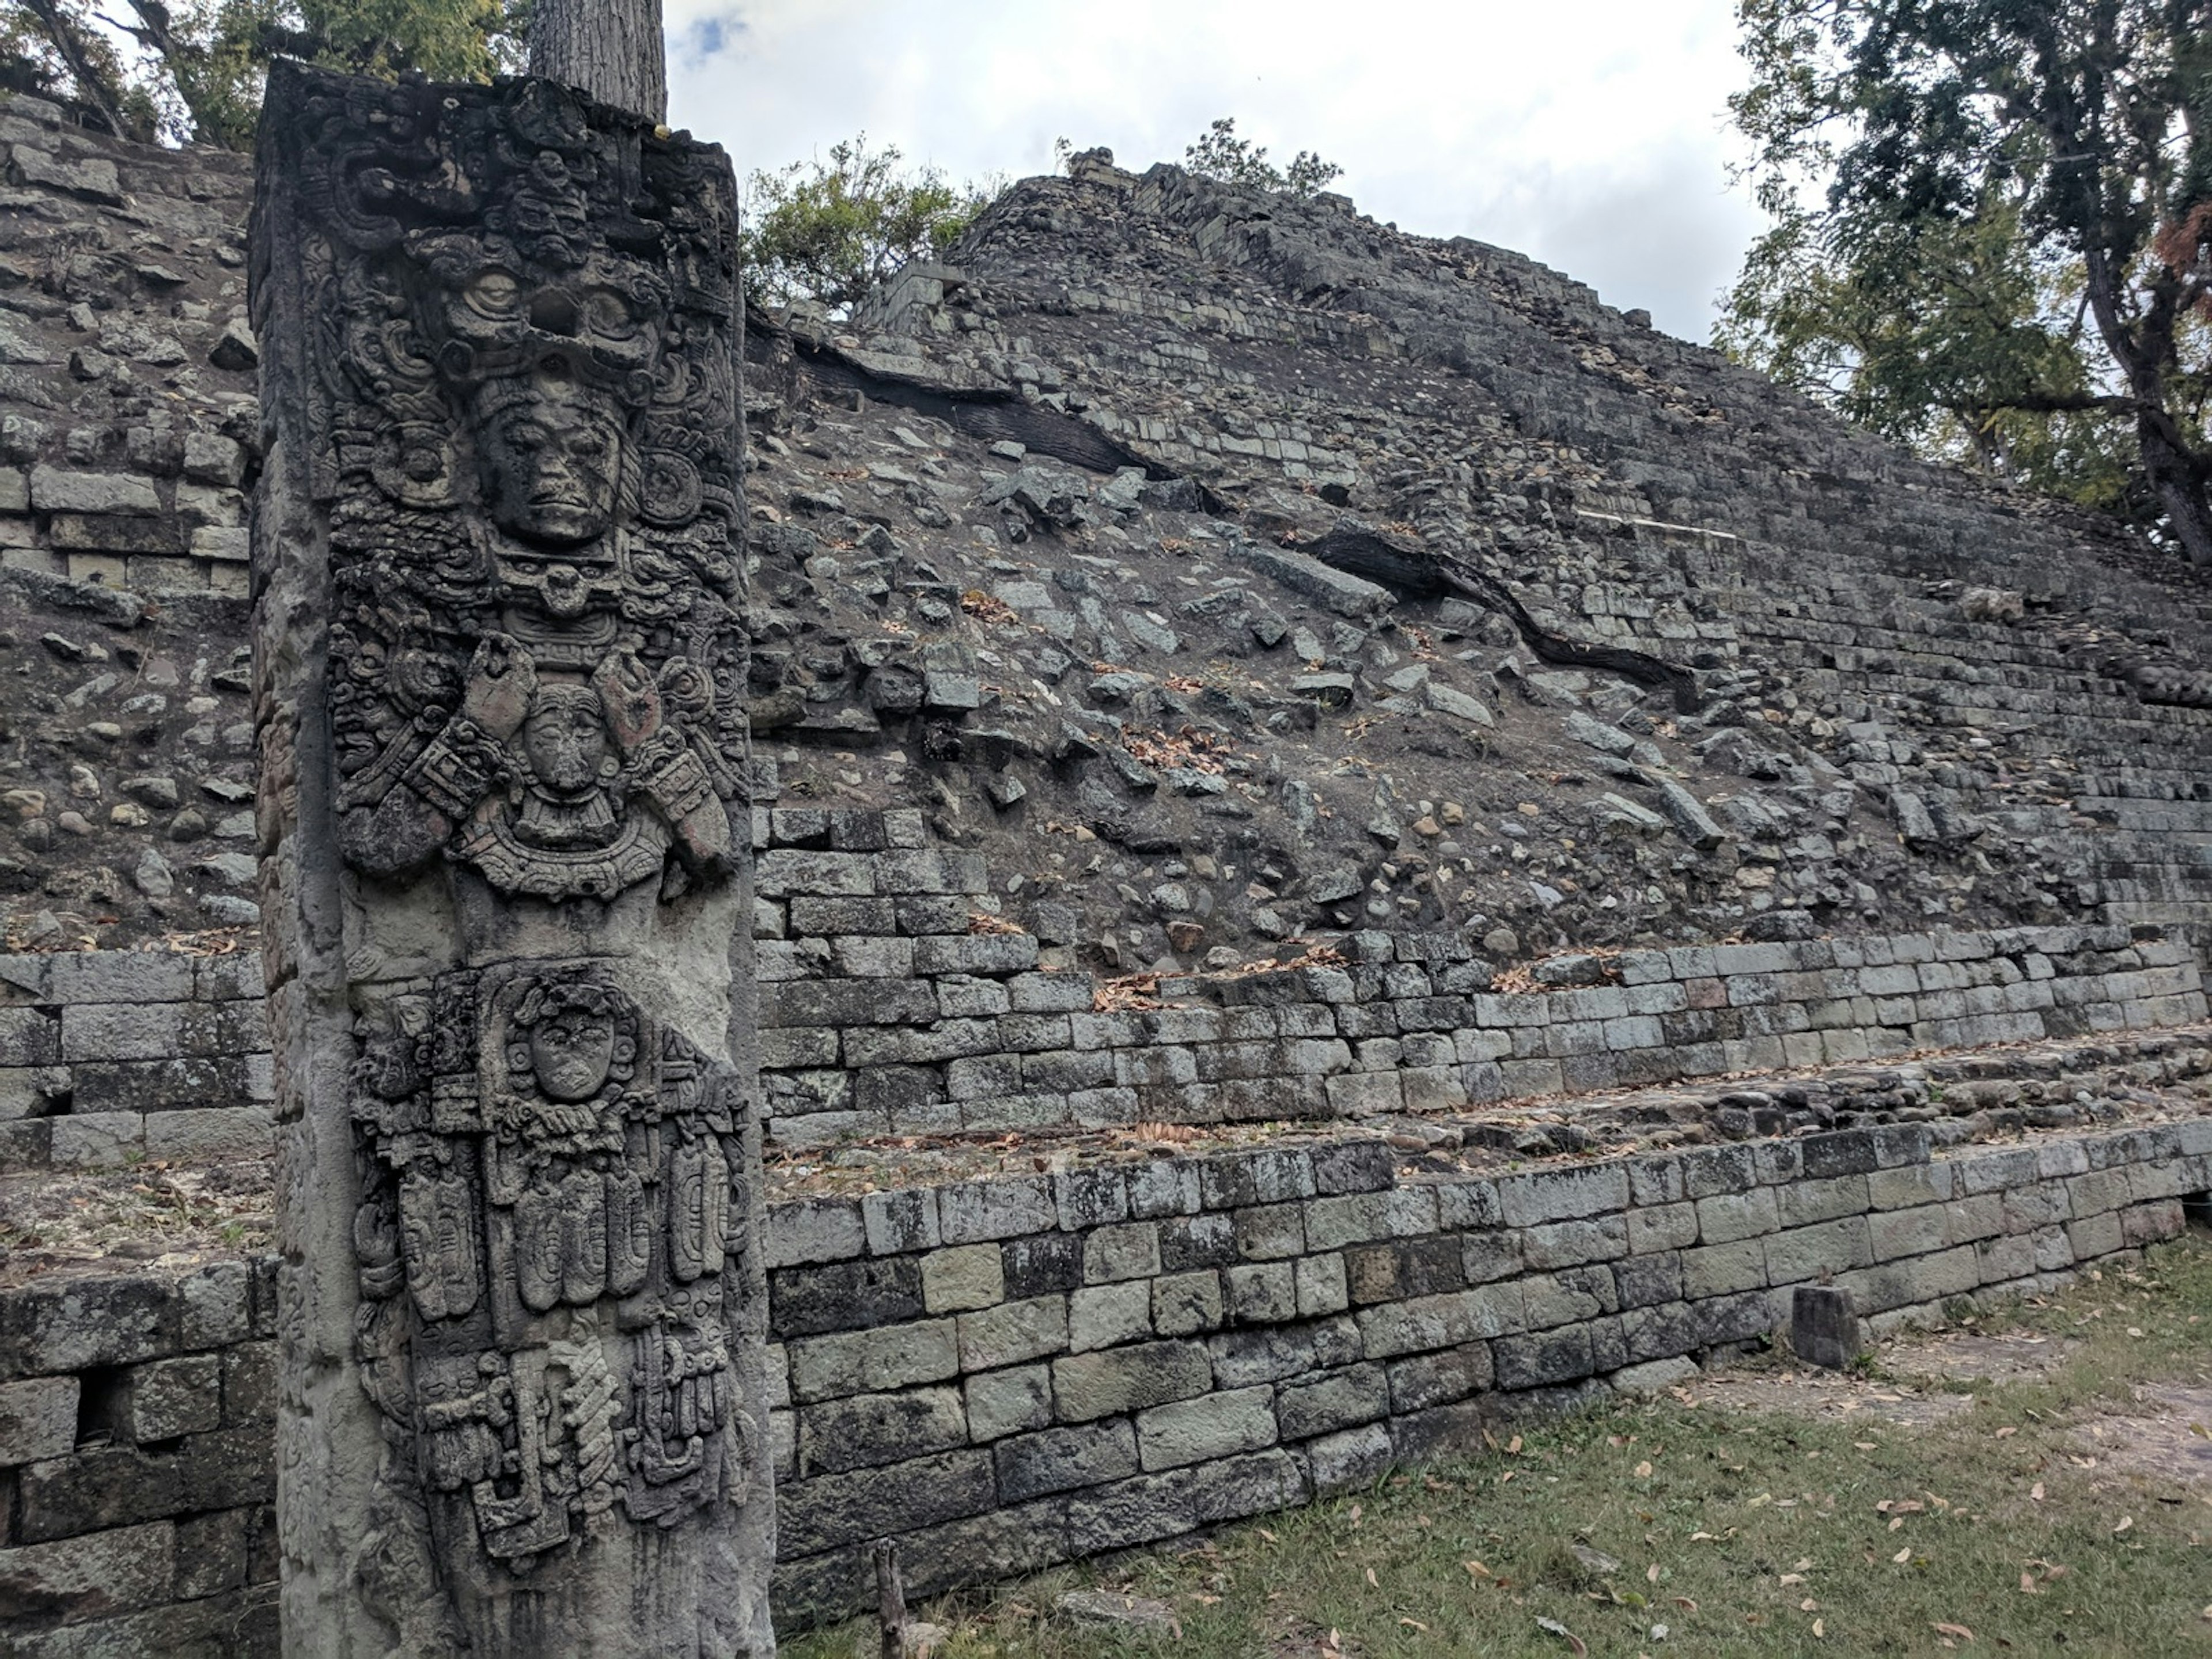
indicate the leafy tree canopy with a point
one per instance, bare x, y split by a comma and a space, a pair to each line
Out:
1991, 235
192, 70
1218, 153
826, 231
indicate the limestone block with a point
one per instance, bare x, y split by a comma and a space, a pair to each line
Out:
963, 1278
1804, 1253
900, 1220
38, 1418
1260, 1293
1214, 1426
1563, 1194
1061, 1460
1340, 1462
1441, 1321
1127, 1250
1906, 1232
1722, 1269
868, 1431
1322, 1286
171, 1398
814, 1230
55, 490
1436, 1379
1094, 1385
1187, 1304
1270, 1231
1014, 1332
1667, 1227
984, 1210
1001, 1403
831, 1509
864, 1362
842, 1296
1561, 1355
83, 1579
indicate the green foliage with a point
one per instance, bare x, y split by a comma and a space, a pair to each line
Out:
192, 71
1220, 154
1991, 235
826, 231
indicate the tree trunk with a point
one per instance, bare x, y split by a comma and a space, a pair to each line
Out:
611, 49
2180, 488
2145, 354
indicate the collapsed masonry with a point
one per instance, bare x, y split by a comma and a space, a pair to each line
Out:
1293, 766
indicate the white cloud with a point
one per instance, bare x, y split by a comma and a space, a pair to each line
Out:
1590, 134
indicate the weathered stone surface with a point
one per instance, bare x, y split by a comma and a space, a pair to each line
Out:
501, 691
1824, 1326
38, 1418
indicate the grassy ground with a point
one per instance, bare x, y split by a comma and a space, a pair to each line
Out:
2067, 1509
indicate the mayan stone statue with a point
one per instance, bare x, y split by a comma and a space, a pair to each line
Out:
500, 692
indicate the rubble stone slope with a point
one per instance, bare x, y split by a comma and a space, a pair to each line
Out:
1333, 577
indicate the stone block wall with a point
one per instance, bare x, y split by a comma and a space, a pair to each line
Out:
109, 1056
127, 413
884, 1012
1017, 1372
137, 1464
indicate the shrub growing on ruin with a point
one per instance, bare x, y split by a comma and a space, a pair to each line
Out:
827, 230
1218, 153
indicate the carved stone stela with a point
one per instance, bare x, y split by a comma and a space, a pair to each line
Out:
501, 693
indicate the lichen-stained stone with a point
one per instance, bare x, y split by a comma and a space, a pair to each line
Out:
500, 708
38, 1418
1094, 1385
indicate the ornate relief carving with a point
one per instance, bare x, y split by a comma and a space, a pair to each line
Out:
507, 383
529, 378
552, 1189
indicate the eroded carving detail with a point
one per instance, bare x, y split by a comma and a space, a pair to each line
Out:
531, 397
512, 418
551, 1182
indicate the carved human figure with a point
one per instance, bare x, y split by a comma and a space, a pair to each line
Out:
501, 674
550, 455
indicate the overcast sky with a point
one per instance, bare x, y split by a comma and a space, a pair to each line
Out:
1590, 134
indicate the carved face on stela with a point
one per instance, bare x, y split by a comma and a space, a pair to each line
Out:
551, 452
572, 1051
565, 740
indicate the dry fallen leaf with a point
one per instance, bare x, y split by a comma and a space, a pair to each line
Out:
2036, 1491
1643, 1471
1553, 1627
1476, 1570
1372, 1578
2126, 1520
1821, 1627
1903, 1555
1959, 1630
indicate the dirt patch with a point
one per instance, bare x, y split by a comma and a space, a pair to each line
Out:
2165, 1445
1915, 1385
1826, 1394
1966, 1357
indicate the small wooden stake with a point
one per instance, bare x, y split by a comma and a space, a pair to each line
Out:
891, 1598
